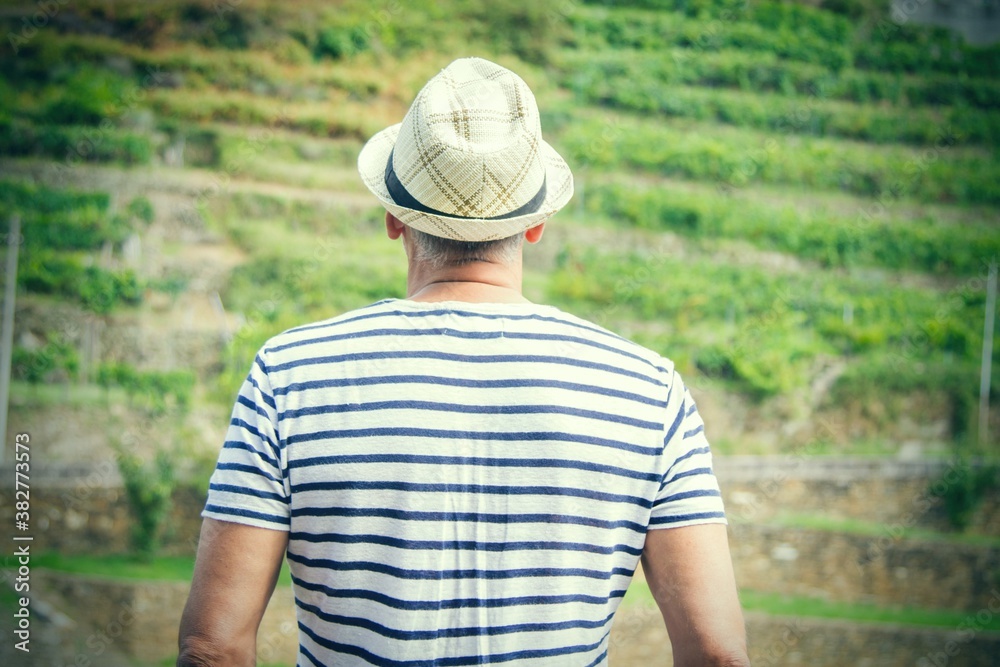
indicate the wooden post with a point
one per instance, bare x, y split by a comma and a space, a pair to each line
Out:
7, 328
987, 361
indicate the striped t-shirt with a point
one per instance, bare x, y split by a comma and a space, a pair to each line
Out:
463, 483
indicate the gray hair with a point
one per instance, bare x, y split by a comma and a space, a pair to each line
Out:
440, 252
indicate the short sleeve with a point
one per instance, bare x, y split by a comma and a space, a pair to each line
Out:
249, 483
689, 492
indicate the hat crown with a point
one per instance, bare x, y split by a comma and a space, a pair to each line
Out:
470, 144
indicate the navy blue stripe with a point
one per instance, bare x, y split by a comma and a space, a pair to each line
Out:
698, 493
453, 603
684, 457
458, 545
414, 459
469, 573
656, 521
465, 382
693, 409
492, 489
438, 633
443, 434
313, 659
689, 473
456, 333
259, 362
263, 394
604, 654
241, 467
237, 444
234, 511
693, 432
457, 661
250, 405
475, 517
463, 358
468, 409
253, 430
248, 491
673, 427
333, 322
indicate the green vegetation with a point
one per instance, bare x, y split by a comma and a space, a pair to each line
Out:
301, 280
30, 395
58, 228
812, 113
125, 566
155, 391
964, 487
35, 366
8, 598
761, 329
827, 237
774, 603
855, 153
148, 487
862, 527
98, 290
795, 202
119, 566
736, 157
810, 607
791, 31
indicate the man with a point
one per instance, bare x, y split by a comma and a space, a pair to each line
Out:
462, 476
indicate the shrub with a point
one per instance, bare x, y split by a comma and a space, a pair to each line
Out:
340, 42
148, 487
19, 137
87, 96
734, 158
156, 391
36, 366
924, 245
656, 74
963, 487
140, 208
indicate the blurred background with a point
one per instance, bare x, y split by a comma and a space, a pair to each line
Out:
797, 202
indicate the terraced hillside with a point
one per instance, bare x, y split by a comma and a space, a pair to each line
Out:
796, 203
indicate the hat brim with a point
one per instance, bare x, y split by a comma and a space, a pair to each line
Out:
558, 191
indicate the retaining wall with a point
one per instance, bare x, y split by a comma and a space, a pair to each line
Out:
82, 509
860, 568
142, 618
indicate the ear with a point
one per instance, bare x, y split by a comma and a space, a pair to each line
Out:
393, 227
534, 234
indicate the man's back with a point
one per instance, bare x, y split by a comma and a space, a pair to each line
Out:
462, 482
462, 477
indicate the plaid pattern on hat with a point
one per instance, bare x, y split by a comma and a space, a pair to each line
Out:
468, 161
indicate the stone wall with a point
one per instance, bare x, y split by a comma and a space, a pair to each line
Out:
639, 639
858, 568
96, 520
976, 20
142, 618
82, 509
888, 491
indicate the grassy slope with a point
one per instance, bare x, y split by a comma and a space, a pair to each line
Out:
285, 97
160, 568
808, 607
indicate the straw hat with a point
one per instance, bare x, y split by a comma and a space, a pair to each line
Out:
468, 161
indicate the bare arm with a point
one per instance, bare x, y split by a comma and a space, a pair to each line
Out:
234, 576
690, 573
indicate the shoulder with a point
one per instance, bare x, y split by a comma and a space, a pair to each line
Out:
346, 324
654, 361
